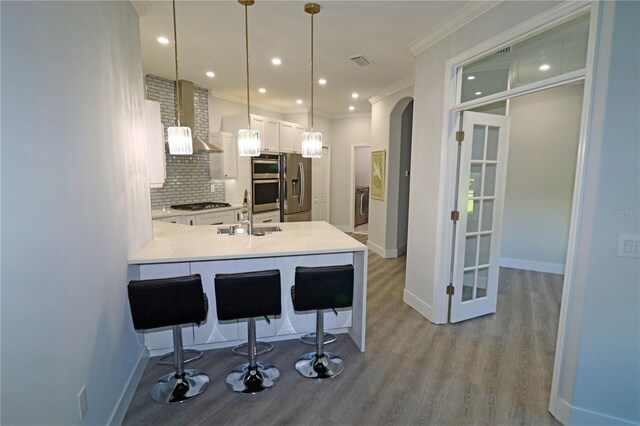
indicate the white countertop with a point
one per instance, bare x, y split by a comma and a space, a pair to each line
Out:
183, 243
158, 214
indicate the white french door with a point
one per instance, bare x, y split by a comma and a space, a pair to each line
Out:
481, 185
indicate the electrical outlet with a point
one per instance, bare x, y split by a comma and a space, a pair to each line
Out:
82, 402
629, 245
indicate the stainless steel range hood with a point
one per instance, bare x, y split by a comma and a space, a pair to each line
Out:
188, 118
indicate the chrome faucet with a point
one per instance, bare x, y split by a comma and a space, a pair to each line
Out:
247, 217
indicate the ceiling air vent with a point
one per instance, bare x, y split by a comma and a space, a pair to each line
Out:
361, 60
505, 50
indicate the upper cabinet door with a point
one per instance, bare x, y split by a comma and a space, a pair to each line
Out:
156, 168
271, 135
291, 137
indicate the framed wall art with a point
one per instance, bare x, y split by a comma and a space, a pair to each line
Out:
378, 162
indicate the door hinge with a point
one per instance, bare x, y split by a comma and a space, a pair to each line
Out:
459, 135
455, 215
450, 289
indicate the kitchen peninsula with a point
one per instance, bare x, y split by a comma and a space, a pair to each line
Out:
178, 249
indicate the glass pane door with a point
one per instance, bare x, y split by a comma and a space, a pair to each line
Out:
480, 197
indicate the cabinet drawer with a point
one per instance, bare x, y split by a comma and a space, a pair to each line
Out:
220, 218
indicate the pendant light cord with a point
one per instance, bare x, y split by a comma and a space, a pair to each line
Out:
175, 47
246, 45
312, 72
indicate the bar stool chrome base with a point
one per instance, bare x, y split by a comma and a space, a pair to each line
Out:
261, 348
196, 355
253, 380
314, 366
174, 389
310, 338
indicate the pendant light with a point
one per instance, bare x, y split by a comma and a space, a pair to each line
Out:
248, 139
180, 142
312, 141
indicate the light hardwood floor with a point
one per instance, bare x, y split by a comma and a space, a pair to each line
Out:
494, 370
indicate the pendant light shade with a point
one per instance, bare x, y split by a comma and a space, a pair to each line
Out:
248, 139
312, 144
180, 141
312, 141
179, 137
248, 143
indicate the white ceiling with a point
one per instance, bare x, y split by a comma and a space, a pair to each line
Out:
211, 37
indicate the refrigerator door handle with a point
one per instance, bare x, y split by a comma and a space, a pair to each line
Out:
361, 204
301, 177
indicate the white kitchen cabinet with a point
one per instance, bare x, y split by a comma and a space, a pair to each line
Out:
172, 219
156, 167
290, 137
267, 217
223, 165
216, 218
269, 134
189, 219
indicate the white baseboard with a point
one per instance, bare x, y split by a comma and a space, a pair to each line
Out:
562, 411
584, 417
375, 248
418, 304
117, 416
386, 253
530, 265
568, 414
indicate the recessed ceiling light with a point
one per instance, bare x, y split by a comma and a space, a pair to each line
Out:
471, 77
351, 108
544, 67
276, 61
163, 40
262, 90
354, 95
211, 74
322, 81
478, 93
299, 101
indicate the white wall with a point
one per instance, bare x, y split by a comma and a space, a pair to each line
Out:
543, 150
386, 125
598, 375
363, 166
75, 204
603, 333
345, 132
423, 245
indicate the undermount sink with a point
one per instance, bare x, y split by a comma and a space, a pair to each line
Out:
242, 229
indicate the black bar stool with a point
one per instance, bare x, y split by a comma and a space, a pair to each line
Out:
249, 295
171, 302
320, 288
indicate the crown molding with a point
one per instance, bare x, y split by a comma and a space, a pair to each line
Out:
456, 21
394, 88
141, 6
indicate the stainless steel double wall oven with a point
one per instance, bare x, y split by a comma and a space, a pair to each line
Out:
265, 178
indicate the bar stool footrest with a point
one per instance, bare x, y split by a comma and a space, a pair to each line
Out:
310, 338
261, 348
196, 355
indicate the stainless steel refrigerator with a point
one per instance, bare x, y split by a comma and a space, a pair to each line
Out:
295, 175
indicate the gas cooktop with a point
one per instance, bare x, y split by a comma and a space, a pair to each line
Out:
200, 206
